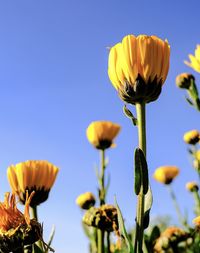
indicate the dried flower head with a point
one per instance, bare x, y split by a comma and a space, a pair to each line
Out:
184, 80
192, 186
33, 175
103, 217
168, 239
86, 200
192, 137
166, 174
138, 67
194, 60
16, 228
102, 133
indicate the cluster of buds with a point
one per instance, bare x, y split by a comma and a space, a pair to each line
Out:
103, 217
169, 239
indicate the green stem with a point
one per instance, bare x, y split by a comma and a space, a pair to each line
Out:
35, 216
108, 242
100, 233
182, 220
141, 123
197, 202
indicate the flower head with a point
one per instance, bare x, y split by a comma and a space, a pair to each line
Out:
194, 60
33, 175
102, 133
166, 174
138, 67
192, 137
86, 200
184, 80
16, 228
192, 186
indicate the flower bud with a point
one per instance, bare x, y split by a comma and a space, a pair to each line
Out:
184, 80
192, 186
86, 200
103, 217
192, 137
166, 174
102, 133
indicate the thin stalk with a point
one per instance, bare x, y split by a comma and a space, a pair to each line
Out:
182, 220
100, 233
197, 202
141, 123
35, 216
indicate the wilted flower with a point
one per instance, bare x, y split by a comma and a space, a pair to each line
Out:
170, 237
16, 228
195, 60
103, 217
166, 174
138, 67
85, 200
192, 186
101, 133
184, 80
192, 137
33, 175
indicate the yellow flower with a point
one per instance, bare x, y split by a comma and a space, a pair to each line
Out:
192, 137
16, 228
196, 221
184, 80
194, 60
101, 134
166, 174
192, 186
86, 200
33, 175
138, 67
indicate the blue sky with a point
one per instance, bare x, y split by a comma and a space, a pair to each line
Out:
53, 76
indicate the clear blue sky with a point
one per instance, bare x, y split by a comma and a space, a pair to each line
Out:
53, 79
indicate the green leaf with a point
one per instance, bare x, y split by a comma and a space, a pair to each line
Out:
155, 233
51, 236
122, 229
147, 207
141, 172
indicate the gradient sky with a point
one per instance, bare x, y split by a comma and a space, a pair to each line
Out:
53, 76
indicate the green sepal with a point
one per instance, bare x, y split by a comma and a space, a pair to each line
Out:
129, 114
189, 101
147, 207
141, 172
122, 229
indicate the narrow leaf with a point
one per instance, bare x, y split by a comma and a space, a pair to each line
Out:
147, 207
129, 114
122, 229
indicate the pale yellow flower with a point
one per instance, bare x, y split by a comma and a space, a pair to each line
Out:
33, 175
194, 60
138, 67
192, 137
196, 221
102, 133
166, 174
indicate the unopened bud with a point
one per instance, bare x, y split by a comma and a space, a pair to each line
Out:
184, 80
